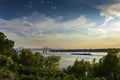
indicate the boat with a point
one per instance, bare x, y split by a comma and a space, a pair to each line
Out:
81, 54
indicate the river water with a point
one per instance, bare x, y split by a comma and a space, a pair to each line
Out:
67, 59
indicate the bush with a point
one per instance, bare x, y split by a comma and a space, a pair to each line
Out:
5, 73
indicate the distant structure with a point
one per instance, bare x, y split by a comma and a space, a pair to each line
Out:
45, 50
81, 50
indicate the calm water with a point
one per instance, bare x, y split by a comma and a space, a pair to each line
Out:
67, 59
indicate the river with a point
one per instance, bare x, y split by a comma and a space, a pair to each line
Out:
67, 59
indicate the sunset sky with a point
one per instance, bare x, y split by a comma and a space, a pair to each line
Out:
61, 23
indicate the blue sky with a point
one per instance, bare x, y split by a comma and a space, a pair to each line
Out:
61, 23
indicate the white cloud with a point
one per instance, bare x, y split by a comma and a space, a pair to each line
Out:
107, 19
54, 32
30, 31
110, 12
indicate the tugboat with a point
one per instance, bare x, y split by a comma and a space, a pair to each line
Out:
81, 54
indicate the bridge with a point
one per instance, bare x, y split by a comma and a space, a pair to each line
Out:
78, 50
47, 50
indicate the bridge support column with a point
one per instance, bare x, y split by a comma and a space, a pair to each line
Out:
45, 50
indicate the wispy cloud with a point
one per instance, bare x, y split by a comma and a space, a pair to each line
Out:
43, 31
31, 32
110, 12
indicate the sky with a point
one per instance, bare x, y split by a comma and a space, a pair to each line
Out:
61, 23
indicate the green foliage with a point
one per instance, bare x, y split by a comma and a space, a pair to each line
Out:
80, 68
108, 68
52, 62
39, 60
6, 45
108, 65
5, 73
5, 61
34, 66
27, 57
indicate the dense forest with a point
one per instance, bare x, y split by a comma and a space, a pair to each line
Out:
34, 66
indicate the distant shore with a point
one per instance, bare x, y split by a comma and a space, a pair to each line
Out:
82, 50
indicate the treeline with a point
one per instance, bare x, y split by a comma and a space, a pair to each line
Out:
29, 66
82, 50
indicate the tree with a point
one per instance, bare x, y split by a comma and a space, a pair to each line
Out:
6, 45
51, 62
39, 60
108, 65
27, 57
5, 61
80, 68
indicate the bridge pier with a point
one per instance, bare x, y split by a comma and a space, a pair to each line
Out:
45, 50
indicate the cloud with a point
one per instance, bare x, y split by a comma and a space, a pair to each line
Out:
44, 31
110, 12
107, 19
